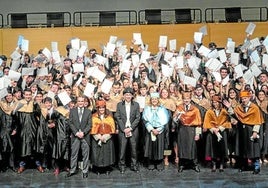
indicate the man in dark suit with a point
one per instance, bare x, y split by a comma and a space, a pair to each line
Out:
128, 116
80, 124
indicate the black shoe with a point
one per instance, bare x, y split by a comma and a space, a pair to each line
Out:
181, 168
151, 167
122, 170
196, 168
256, 171
69, 175
85, 175
160, 166
135, 169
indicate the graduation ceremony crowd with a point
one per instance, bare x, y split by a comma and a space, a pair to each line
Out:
126, 108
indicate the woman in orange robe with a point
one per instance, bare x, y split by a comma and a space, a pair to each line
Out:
217, 121
103, 126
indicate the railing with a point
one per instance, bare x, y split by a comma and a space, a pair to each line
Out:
239, 14
39, 19
1, 20
167, 16
105, 18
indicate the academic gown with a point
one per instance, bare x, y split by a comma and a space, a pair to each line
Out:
102, 154
158, 119
27, 127
214, 148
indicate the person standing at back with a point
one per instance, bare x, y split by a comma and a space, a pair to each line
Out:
80, 124
128, 116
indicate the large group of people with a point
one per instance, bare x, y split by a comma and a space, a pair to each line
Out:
187, 107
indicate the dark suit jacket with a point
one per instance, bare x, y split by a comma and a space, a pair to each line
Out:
85, 124
121, 116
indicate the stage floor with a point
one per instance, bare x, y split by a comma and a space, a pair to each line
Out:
145, 178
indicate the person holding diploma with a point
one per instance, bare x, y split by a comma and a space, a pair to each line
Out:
156, 119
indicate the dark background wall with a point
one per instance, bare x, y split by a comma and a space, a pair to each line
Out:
13, 6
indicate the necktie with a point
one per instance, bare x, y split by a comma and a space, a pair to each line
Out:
80, 114
187, 108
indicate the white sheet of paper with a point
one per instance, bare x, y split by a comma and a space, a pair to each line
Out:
119, 42
238, 71
265, 42
98, 74
141, 100
78, 67
89, 90
135, 60
13, 75
81, 51
4, 82
255, 70
145, 55
100, 59
255, 56
122, 51
73, 54
110, 48
168, 56
265, 60
3, 93
84, 43
42, 71
196, 73
248, 75
245, 46
222, 55
189, 81
234, 58
172, 45
25, 45
15, 55
250, 28
255, 42
217, 76
112, 39
78, 81
27, 71
46, 53
64, 98
54, 46
192, 63
225, 81
162, 41
204, 51
213, 54
181, 51
20, 38
56, 56
180, 62
203, 30
69, 78
166, 70
106, 86
213, 64
230, 47
189, 47
75, 43
125, 66
51, 94
15, 65
137, 38
198, 37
